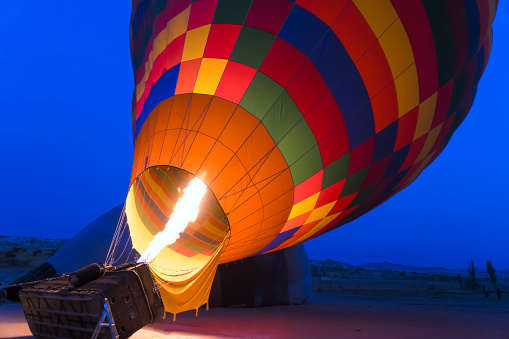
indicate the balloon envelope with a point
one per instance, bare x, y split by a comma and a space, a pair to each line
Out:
300, 116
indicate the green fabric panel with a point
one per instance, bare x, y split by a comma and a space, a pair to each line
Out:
159, 6
261, 95
442, 37
282, 116
307, 166
298, 141
362, 196
354, 182
231, 11
168, 182
457, 92
192, 247
336, 171
252, 46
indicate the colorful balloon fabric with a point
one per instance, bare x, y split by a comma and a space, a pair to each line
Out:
300, 116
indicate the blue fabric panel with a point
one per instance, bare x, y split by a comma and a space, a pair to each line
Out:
353, 101
139, 13
331, 59
385, 141
480, 65
163, 89
397, 160
389, 190
474, 26
278, 240
303, 30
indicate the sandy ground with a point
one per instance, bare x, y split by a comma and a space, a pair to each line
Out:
325, 316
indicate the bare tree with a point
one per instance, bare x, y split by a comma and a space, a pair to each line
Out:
491, 272
471, 273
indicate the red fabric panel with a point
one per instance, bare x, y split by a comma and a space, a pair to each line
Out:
187, 76
327, 10
308, 188
414, 151
235, 81
326, 110
353, 31
360, 156
307, 87
444, 96
416, 23
221, 40
484, 17
177, 6
282, 62
173, 52
202, 13
334, 145
459, 31
427, 73
376, 75
385, 107
173, 56
330, 194
471, 71
444, 131
406, 128
376, 171
297, 221
268, 15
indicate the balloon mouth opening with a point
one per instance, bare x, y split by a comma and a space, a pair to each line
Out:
151, 204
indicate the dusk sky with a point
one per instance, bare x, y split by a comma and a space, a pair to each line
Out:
67, 145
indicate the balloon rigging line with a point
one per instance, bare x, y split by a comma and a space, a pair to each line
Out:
115, 239
251, 181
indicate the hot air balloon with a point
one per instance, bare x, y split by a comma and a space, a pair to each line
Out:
298, 116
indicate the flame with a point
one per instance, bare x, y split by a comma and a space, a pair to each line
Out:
186, 210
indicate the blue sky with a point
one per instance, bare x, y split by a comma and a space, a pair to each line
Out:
67, 145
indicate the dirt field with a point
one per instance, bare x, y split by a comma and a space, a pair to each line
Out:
347, 302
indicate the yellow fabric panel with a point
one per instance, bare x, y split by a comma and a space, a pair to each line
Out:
324, 222
320, 212
391, 34
195, 43
174, 28
191, 293
407, 90
397, 48
425, 117
379, 14
155, 190
304, 206
140, 235
211, 71
430, 141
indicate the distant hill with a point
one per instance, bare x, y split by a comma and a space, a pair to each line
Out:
386, 265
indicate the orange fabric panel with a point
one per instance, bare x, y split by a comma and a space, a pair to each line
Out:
212, 166
199, 149
163, 114
218, 115
240, 126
